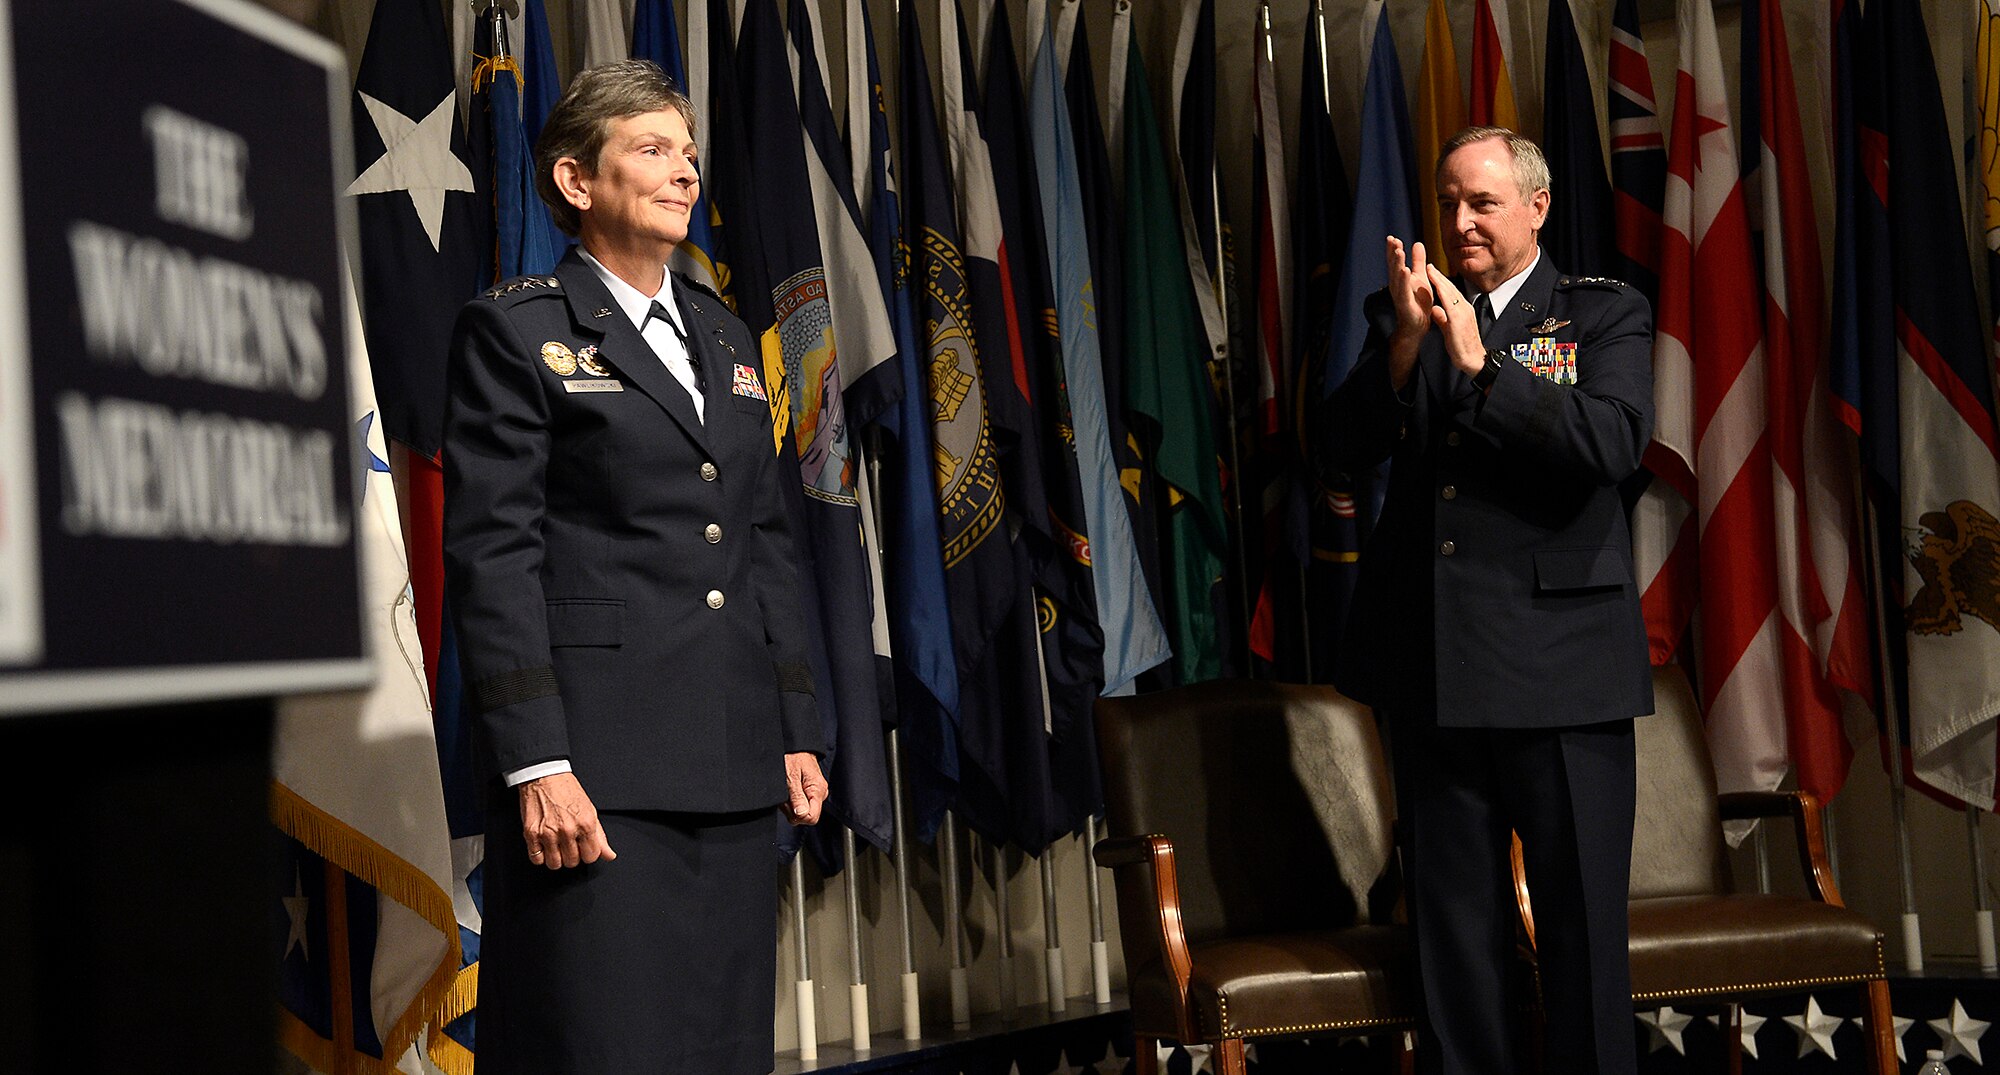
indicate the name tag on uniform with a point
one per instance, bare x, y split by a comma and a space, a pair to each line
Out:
593, 386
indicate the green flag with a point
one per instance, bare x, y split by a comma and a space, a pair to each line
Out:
1167, 397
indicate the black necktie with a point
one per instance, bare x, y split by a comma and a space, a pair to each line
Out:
1483, 307
694, 360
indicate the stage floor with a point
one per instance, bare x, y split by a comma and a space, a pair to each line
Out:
1950, 1007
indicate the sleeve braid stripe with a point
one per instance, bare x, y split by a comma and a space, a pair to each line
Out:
794, 677
512, 688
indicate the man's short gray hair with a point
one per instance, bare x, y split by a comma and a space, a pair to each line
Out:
1531, 169
581, 121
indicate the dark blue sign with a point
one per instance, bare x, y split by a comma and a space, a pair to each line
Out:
181, 328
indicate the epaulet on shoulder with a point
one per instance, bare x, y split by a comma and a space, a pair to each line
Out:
698, 286
1604, 282
523, 287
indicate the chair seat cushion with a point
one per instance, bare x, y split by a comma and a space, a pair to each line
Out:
1285, 983
1698, 945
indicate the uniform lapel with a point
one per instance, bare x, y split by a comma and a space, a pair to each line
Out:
595, 313
718, 358
1529, 306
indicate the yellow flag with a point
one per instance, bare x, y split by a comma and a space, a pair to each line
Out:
1440, 114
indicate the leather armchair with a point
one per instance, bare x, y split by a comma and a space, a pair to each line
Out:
1693, 937
1240, 918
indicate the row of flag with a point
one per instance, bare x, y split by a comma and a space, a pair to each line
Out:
1051, 444
1787, 418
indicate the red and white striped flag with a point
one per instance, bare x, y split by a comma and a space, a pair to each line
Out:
1711, 445
1274, 237
1273, 326
1824, 639
1492, 101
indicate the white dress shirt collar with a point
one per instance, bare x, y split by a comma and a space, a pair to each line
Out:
670, 341
634, 302
1500, 296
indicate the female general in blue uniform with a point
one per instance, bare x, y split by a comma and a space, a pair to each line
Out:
620, 568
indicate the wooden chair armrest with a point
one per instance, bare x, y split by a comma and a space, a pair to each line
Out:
1804, 809
1522, 905
1154, 854
1111, 852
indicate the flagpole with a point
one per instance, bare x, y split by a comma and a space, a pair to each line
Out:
1762, 847
1305, 602
808, 1019
954, 922
1058, 978
912, 1011
1227, 361
857, 980
1305, 569
1982, 915
1100, 954
912, 1024
339, 999
1913, 934
1004, 926
1325, 70
1052, 957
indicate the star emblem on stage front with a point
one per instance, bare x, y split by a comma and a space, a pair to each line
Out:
1664, 1029
1960, 1033
1815, 1029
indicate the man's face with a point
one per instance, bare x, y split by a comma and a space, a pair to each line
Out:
1489, 229
645, 184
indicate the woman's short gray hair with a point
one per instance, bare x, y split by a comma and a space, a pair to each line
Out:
581, 121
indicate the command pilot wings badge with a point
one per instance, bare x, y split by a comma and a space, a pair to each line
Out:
1549, 326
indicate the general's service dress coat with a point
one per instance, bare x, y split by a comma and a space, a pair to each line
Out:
621, 577
1496, 622
1500, 570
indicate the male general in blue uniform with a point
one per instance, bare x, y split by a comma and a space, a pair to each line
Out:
1496, 622
621, 571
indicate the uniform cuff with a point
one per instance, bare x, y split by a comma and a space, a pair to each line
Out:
517, 777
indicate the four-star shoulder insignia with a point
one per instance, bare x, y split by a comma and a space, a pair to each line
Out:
522, 283
698, 286
1595, 281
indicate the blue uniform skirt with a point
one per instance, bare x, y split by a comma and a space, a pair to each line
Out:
664, 961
